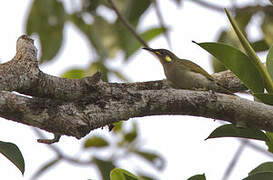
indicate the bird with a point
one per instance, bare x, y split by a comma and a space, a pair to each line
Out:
184, 74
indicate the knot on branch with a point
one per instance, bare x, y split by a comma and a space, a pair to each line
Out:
25, 47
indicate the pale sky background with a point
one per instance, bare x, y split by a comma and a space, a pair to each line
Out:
180, 139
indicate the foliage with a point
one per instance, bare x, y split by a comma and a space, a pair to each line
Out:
13, 153
47, 18
229, 130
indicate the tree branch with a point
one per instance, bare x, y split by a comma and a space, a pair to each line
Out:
74, 107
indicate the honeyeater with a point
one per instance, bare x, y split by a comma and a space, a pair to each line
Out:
184, 74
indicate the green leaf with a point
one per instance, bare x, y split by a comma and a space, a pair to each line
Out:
121, 174
264, 167
13, 153
251, 54
134, 9
228, 37
260, 45
96, 142
265, 97
229, 130
74, 74
117, 127
133, 45
260, 176
237, 62
269, 142
198, 177
45, 167
243, 16
46, 18
151, 157
104, 167
131, 135
269, 61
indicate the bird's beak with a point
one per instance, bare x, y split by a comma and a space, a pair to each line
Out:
149, 49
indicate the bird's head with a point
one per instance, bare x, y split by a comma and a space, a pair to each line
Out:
165, 56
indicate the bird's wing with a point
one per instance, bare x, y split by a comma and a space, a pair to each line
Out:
196, 68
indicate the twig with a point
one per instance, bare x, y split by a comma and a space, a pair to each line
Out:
60, 154
259, 149
127, 24
235, 159
208, 5
161, 22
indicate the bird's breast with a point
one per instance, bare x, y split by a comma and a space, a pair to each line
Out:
184, 79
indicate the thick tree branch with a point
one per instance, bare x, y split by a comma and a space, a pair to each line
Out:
75, 107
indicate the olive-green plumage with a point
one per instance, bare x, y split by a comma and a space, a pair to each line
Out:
184, 74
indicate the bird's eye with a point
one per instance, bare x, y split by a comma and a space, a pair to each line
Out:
168, 58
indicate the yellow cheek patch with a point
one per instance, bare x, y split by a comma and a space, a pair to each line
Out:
168, 58
157, 52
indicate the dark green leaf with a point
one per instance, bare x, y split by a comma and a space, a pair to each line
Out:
47, 19
229, 130
228, 37
198, 177
96, 142
151, 157
264, 97
269, 142
264, 167
243, 16
260, 176
45, 168
104, 167
134, 9
269, 61
121, 174
237, 62
13, 153
74, 74
260, 45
